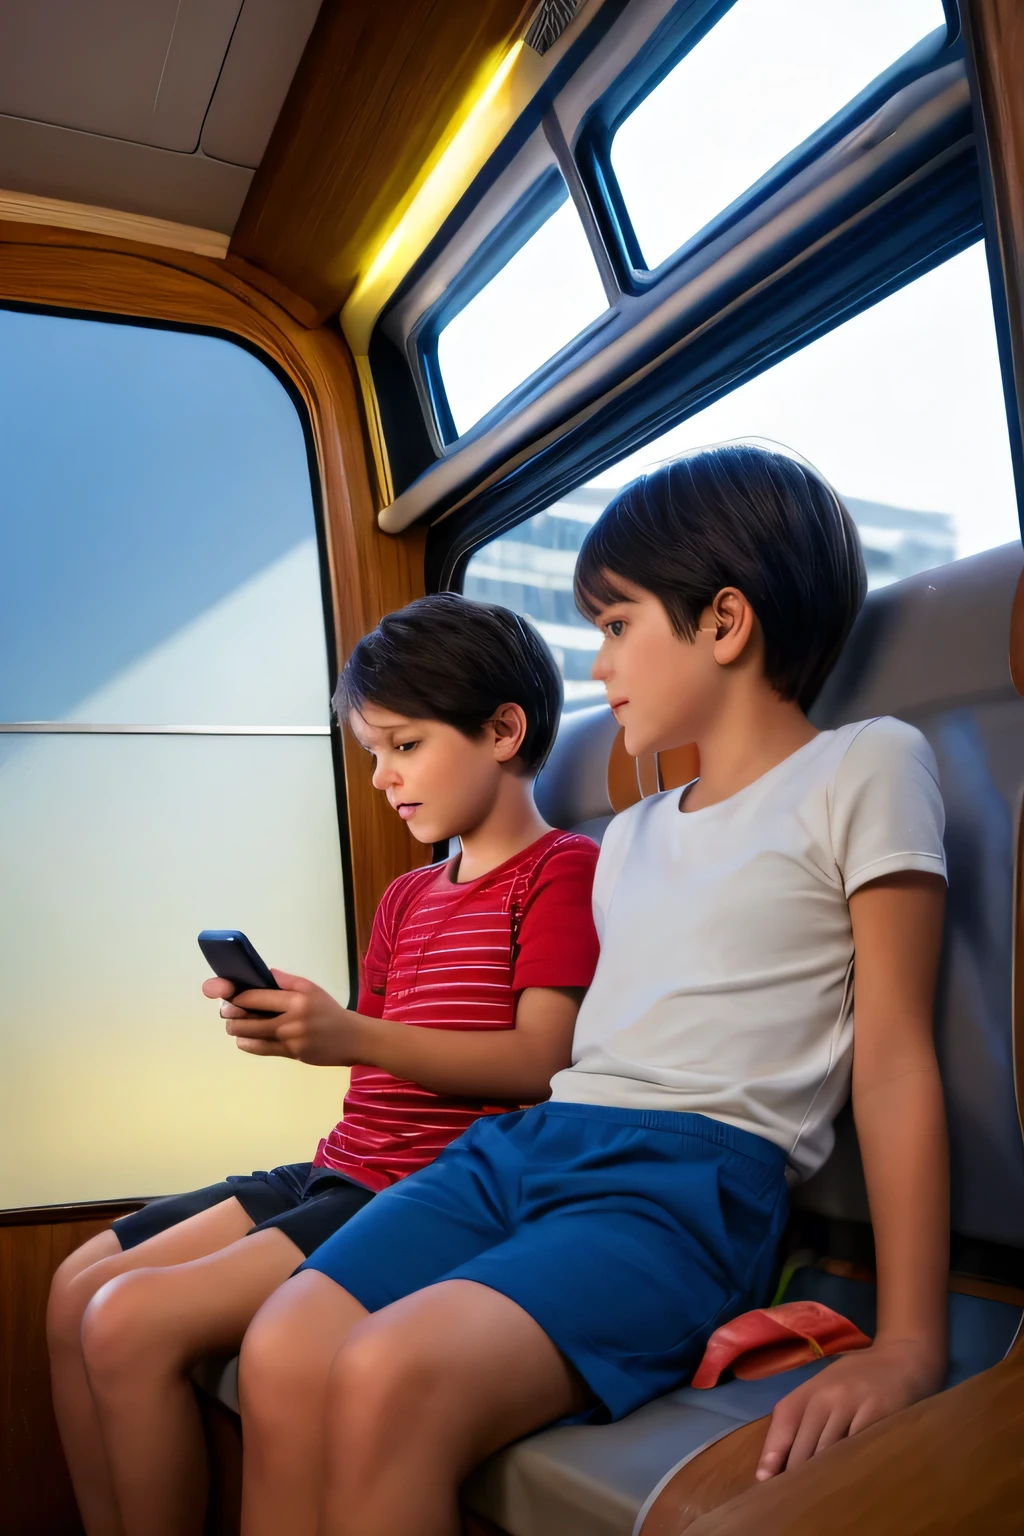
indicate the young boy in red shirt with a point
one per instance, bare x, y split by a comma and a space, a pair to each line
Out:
475, 971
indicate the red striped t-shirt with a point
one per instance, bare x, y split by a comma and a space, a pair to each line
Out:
448, 956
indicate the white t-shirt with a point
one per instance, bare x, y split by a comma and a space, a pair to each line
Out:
724, 986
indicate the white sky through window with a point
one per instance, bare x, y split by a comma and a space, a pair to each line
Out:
544, 296
902, 404
761, 81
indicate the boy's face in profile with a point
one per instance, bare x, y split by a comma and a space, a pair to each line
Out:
441, 782
662, 687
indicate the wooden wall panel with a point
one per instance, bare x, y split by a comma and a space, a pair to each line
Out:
35, 1490
378, 86
36, 1497
371, 573
995, 37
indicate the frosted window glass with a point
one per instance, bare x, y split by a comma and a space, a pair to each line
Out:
116, 1077
760, 82
547, 293
158, 559
901, 408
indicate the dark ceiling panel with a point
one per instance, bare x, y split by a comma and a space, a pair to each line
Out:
377, 86
265, 49
141, 70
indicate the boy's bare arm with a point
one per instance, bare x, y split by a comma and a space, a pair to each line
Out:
515, 1064
901, 1127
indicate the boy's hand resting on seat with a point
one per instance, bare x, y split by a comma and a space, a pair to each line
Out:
308, 1025
845, 1398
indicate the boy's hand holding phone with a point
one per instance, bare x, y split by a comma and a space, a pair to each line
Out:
307, 1024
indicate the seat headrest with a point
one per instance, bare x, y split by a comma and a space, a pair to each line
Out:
589, 775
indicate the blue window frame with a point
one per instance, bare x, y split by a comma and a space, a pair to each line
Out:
682, 48
531, 288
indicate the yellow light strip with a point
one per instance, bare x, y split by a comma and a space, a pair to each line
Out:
458, 155
507, 90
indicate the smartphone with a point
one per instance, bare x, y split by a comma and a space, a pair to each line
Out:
230, 955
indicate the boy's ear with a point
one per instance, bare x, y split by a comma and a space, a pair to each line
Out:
734, 622
509, 725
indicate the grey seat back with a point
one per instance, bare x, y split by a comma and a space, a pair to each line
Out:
934, 651
572, 787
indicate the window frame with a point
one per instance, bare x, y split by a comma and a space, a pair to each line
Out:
301, 405
569, 117
679, 34
450, 555
524, 219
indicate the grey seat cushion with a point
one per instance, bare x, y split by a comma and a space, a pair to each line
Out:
600, 1480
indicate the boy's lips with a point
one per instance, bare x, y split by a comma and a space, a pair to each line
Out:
615, 704
408, 808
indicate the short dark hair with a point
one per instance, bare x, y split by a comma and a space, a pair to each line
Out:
736, 515
445, 657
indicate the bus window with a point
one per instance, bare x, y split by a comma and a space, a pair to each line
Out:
165, 757
901, 408
545, 294
760, 82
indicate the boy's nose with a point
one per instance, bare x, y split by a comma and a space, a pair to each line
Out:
600, 671
385, 777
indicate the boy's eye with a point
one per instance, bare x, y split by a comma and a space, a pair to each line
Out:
405, 746
615, 627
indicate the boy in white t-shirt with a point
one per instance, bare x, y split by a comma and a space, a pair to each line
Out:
572, 1260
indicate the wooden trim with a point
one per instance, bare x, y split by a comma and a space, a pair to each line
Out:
24, 208
678, 766
712, 1477
1017, 997
949, 1465
623, 780
370, 572
379, 89
59, 1215
994, 34
1017, 637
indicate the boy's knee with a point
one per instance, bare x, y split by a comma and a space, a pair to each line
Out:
375, 1381
71, 1290
119, 1327
272, 1368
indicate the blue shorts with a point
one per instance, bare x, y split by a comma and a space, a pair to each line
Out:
628, 1235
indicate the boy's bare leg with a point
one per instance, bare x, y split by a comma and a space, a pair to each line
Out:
415, 1397
420, 1393
141, 1335
282, 1385
74, 1285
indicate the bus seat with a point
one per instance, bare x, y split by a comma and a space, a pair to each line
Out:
585, 781
589, 775
933, 650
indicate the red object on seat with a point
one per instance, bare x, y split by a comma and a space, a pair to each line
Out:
773, 1339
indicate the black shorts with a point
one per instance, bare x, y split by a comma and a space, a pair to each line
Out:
308, 1204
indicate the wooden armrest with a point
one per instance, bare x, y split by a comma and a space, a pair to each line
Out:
717, 1475
951, 1464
